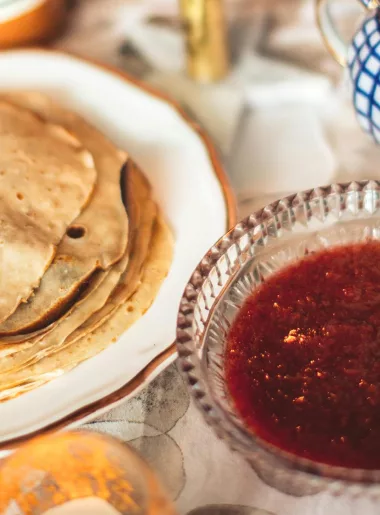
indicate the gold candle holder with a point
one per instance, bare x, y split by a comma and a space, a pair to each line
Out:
206, 39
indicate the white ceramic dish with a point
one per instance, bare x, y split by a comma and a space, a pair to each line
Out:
191, 188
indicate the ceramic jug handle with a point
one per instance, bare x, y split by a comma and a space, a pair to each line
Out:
334, 42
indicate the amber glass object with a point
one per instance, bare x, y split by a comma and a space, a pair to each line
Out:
29, 22
79, 469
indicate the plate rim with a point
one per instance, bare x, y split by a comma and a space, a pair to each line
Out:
142, 377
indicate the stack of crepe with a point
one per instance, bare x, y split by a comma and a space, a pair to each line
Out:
83, 246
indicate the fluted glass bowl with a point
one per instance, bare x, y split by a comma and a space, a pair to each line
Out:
255, 248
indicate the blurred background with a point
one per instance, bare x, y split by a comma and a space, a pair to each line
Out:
281, 116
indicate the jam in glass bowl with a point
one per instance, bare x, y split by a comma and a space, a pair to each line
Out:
279, 340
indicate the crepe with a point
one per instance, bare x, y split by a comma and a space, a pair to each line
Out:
155, 270
106, 271
102, 227
46, 177
35, 213
141, 239
28, 353
142, 211
10, 348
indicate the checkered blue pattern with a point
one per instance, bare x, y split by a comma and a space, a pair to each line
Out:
367, 3
364, 66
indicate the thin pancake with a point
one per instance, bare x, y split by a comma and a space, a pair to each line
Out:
140, 247
139, 205
27, 353
12, 348
141, 209
155, 271
104, 223
46, 177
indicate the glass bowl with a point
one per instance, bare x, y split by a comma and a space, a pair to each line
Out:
255, 248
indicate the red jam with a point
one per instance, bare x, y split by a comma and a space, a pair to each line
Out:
303, 358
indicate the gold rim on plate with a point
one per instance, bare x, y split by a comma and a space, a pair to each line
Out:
158, 361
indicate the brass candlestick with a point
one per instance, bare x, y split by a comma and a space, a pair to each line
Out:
206, 39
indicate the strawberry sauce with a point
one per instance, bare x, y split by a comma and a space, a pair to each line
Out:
303, 358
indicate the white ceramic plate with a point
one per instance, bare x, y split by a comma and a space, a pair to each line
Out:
191, 188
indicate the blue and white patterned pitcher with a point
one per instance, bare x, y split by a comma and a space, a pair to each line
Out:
362, 57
